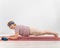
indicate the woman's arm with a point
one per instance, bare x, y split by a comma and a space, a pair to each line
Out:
14, 36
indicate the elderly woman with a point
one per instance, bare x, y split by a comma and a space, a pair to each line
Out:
26, 31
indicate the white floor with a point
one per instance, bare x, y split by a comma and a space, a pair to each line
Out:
29, 44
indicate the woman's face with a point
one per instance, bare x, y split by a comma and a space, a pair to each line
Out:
12, 26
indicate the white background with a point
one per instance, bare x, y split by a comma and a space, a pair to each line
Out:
42, 14
30, 44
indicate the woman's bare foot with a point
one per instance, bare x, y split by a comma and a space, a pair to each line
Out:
56, 36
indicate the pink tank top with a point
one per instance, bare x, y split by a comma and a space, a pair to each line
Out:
23, 30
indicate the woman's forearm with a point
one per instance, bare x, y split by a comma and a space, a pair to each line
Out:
12, 37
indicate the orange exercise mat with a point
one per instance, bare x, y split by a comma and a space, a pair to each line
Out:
46, 38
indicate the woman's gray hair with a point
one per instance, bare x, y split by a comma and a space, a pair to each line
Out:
10, 23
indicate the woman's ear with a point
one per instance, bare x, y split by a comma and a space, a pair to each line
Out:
14, 24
